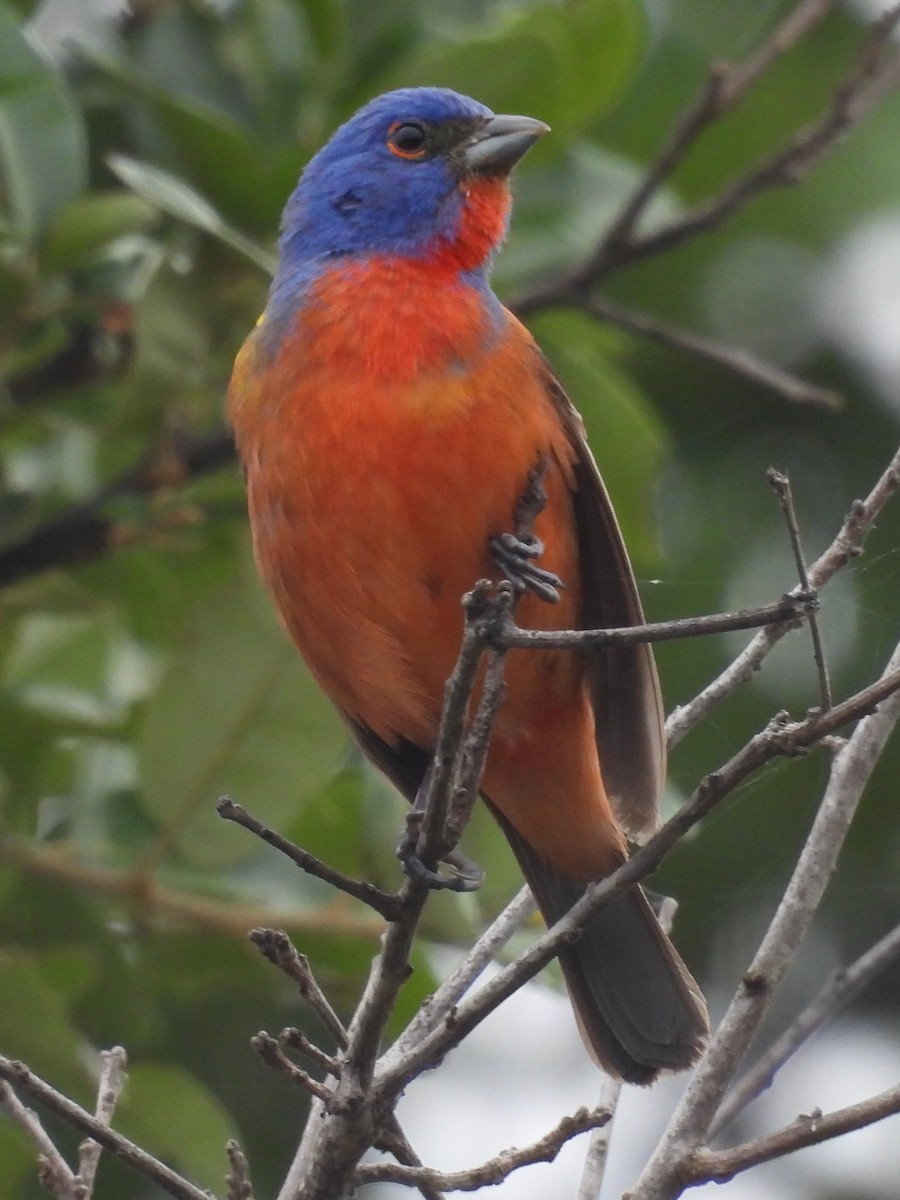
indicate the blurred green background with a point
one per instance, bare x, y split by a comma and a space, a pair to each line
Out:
144, 160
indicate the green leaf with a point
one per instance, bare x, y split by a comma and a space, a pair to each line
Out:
180, 200
35, 1023
583, 53
170, 1113
91, 222
627, 437
236, 713
43, 153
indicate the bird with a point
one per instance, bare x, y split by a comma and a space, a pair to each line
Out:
389, 413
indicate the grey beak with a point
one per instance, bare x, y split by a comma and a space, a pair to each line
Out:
499, 144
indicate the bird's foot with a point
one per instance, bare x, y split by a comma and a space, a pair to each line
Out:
515, 557
454, 873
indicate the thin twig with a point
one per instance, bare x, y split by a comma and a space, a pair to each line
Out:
383, 903
850, 772
724, 87
277, 947
781, 485
732, 358
718, 1166
112, 1080
20, 1076
84, 532
844, 985
272, 1054
780, 738
299, 1041
494, 1171
55, 1173
436, 1007
847, 545
864, 87
237, 1181
787, 611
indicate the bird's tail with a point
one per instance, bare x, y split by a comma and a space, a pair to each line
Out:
638, 1007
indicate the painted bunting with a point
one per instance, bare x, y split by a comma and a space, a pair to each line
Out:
389, 412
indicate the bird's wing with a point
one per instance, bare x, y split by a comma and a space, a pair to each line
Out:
624, 684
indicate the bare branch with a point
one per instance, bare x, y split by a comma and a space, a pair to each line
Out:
786, 612
732, 358
780, 738
20, 1076
299, 1041
277, 947
54, 1171
782, 488
437, 1006
494, 1171
719, 1166
112, 1080
383, 903
850, 771
272, 1054
846, 545
844, 986
84, 532
238, 1178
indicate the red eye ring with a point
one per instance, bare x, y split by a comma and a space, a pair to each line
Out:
408, 139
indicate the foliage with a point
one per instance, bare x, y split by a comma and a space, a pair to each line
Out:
143, 174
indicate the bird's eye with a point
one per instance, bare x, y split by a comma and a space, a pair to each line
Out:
408, 139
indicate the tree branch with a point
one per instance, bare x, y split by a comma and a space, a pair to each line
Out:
875, 73
847, 544
782, 488
844, 986
53, 1170
112, 1080
84, 531
718, 1166
784, 613
780, 738
385, 905
732, 358
850, 771
20, 1076
496, 1169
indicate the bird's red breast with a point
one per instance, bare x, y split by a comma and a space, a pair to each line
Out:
388, 396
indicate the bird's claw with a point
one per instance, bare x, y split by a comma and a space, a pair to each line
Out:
455, 873
514, 556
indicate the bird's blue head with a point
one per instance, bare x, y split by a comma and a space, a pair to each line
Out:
398, 176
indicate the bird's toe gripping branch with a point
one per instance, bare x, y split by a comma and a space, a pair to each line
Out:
515, 553
454, 873
515, 557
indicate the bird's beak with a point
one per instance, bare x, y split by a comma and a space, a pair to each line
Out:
496, 147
